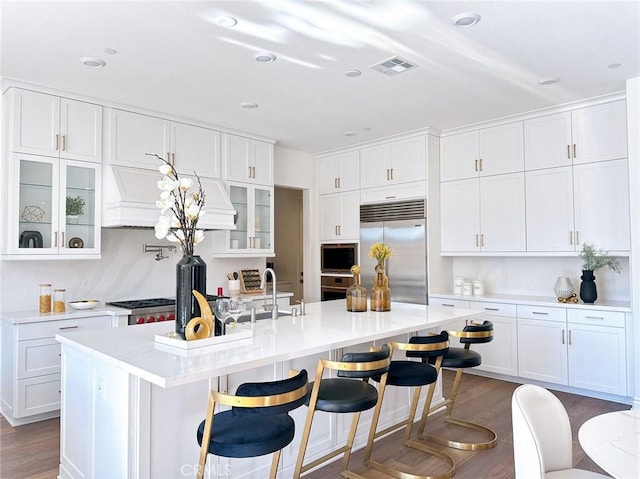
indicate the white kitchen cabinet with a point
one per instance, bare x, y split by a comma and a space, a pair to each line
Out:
254, 222
584, 135
247, 160
396, 162
579, 348
601, 204
487, 151
48, 125
30, 374
38, 226
585, 203
483, 214
340, 216
187, 147
339, 173
500, 355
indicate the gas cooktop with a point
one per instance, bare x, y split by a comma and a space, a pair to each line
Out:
150, 303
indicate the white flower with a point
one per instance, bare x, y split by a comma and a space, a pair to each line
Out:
165, 203
198, 236
162, 227
192, 211
165, 169
179, 234
171, 237
185, 184
167, 184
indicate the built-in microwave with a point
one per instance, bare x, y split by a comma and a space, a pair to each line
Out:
338, 257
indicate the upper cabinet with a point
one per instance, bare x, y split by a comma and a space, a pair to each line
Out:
487, 151
340, 217
396, 162
247, 160
188, 148
339, 173
49, 125
584, 135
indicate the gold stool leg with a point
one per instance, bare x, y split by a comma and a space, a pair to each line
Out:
274, 464
466, 446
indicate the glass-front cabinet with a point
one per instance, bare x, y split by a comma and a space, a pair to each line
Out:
254, 222
53, 209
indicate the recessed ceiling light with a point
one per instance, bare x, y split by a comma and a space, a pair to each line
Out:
110, 51
614, 65
226, 21
93, 62
265, 57
249, 105
349, 133
367, 128
548, 81
353, 73
464, 20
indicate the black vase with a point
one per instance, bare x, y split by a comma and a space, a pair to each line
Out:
191, 273
588, 292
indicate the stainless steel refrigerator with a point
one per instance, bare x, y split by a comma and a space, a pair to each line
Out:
401, 225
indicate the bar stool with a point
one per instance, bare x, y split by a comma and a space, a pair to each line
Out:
258, 422
414, 374
350, 392
459, 359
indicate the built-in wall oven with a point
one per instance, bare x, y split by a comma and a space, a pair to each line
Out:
336, 260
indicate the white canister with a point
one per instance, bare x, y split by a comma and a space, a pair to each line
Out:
478, 288
467, 288
457, 285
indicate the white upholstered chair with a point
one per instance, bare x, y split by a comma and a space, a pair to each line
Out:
542, 444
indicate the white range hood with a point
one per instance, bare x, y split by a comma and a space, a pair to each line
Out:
130, 196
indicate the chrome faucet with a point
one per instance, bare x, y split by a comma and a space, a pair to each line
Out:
274, 311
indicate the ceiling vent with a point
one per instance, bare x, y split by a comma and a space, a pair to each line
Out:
392, 66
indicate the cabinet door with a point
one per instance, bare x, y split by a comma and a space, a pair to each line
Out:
80, 130
459, 154
600, 132
262, 162
408, 160
195, 149
36, 119
236, 158
547, 141
502, 213
81, 183
597, 358
328, 174
500, 355
501, 149
38, 395
239, 238
542, 351
549, 215
263, 219
349, 168
134, 135
350, 215
34, 210
460, 216
601, 199
329, 220
374, 166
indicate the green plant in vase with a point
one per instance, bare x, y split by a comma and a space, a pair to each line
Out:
592, 261
75, 208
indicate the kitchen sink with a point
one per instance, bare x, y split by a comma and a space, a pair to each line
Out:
262, 315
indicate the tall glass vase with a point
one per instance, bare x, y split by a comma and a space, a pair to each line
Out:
380, 293
191, 273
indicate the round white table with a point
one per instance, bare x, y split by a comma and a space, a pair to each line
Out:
612, 441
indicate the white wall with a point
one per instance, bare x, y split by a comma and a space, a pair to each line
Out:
123, 272
297, 169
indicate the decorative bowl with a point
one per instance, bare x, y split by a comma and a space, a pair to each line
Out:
88, 304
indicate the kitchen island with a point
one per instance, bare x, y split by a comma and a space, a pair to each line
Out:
131, 406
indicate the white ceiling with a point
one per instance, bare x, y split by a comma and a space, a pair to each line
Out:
173, 57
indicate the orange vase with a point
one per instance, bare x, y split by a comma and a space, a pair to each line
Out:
380, 294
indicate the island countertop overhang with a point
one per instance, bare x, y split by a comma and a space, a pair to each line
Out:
326, 326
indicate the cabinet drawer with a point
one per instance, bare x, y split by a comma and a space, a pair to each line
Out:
48, 329
38, 357
38, 395
597, 317
544, 313
495, 309
451, 303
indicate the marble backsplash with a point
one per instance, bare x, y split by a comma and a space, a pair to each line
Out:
123, 272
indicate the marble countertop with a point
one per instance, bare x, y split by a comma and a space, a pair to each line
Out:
603, 305
33, 316
326, 326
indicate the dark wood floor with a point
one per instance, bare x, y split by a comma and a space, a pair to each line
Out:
32, 451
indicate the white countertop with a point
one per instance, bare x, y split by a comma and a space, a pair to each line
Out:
326, 326
33, 316
602, 305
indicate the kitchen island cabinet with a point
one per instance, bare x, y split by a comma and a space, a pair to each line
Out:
130, 406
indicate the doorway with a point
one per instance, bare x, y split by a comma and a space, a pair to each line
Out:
288, 226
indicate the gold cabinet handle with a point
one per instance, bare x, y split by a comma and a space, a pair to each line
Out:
173, 159
64, 142
392, 174
477, 240
168, 157
476, 167
62, 239
480, 164
575, 153
55, 239
482, 239
577, 237
387, 174
57, 142
339, 184
335, 183
569, 151
563, 336
571, 238
569, 337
